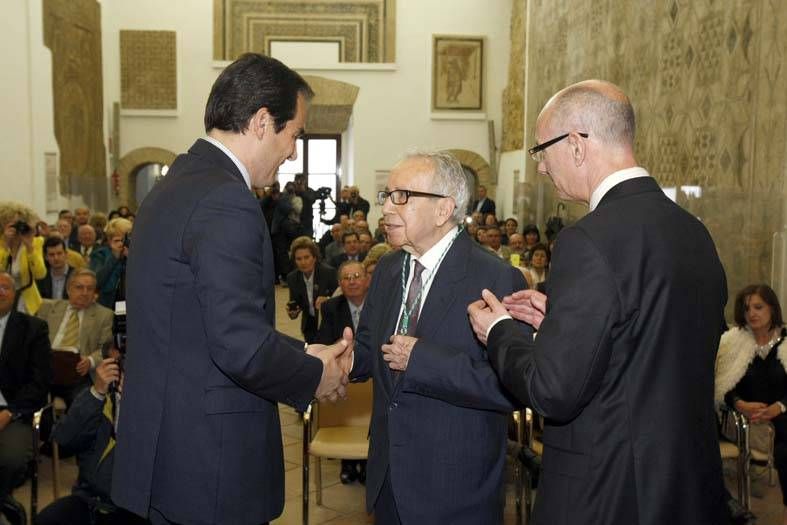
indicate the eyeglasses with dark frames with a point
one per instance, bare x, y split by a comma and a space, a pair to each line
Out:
400, 197
537, 152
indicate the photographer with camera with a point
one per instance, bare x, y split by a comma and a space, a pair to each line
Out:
88, 428
21, 254
109, 261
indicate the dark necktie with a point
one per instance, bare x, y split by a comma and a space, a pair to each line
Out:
413, 305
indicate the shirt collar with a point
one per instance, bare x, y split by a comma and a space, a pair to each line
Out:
243, 171
432, 256
352, 306
613, 180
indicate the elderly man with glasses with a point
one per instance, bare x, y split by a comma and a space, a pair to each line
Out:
438, 432
623, 366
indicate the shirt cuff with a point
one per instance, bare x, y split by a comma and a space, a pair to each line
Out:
501, 318
98, 395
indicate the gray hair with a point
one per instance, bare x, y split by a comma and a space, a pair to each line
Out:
79, 273
449, 179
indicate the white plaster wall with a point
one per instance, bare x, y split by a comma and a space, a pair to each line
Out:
392, 113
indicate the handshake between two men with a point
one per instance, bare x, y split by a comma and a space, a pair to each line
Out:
528, 306
337, 362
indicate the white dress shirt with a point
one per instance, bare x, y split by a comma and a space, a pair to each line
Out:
58, 284
613, 180
3, 324
243, 171
431, 261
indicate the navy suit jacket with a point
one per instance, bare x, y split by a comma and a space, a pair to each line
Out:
441, 428
199, 437
623, 366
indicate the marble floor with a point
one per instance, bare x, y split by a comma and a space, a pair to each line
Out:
344, 504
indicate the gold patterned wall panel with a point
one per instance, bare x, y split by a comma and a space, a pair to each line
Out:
514, 92
707, 82
72, 31
148, 70
364, 29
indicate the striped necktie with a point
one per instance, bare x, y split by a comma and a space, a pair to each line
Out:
71, 334
108, 413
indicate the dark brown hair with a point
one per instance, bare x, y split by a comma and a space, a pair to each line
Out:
768, 296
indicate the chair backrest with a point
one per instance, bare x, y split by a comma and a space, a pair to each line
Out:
355, 411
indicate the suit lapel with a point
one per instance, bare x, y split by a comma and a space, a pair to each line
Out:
442, 292
390, 316
11, 338
85, 329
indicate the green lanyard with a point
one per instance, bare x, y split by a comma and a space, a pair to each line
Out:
417, 302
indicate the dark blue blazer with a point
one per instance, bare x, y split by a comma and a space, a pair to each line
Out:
199, 436
441, 429
623, 366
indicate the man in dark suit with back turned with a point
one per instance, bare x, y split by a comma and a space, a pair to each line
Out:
622, 367
437, 449
199, 435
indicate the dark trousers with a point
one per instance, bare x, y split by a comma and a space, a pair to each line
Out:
16, 450
157, 518
780, 453
385, 511
74, 509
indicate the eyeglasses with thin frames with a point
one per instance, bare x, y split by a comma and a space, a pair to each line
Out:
352, 276
537, 151
400, 197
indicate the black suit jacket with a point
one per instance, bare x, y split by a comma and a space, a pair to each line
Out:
623, 366
339, 259
325, 284
45, 284
487, 207
25, 363
199, 435
441, 429
335, 317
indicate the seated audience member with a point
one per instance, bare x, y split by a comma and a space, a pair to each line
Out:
99, 223
53, 285
64, 227
25, 372
472, 231
358, 203
510, 226
334, 248
374, 255
532, 237
310, 284
88, 429
516, 244
751, 374
361, 226
538, 270
21, 254
480, 236
81, 218
490, 220
113, 215
337, 313
87, 241
78, 325
351, 252
379, 233
358, 215
73, 257
493, 241
364, 241
109, 261
124, 211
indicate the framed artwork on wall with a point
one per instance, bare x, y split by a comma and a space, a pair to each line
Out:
457, 73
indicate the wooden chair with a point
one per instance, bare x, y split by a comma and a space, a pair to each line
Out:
338, 431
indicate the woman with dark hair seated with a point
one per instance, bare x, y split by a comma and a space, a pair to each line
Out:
751, 368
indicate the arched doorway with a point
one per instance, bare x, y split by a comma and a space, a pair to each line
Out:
475, 165
145, 163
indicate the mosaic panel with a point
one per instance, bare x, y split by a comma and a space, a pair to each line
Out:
148, 70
